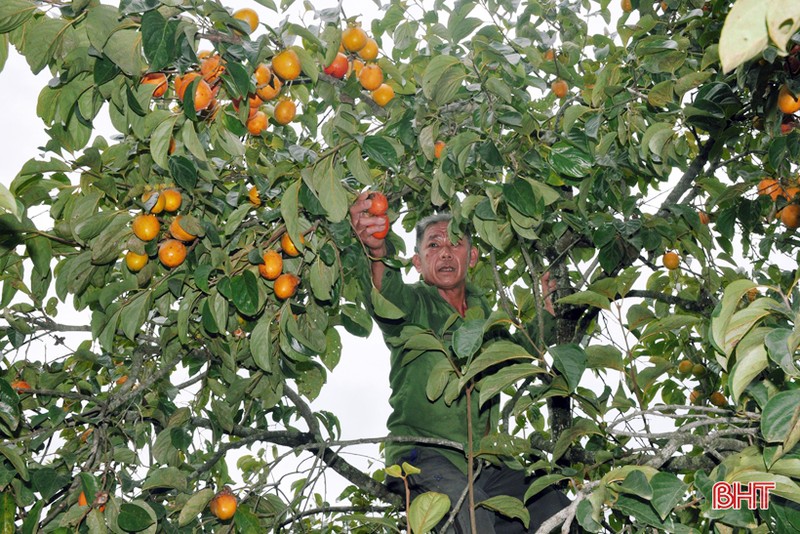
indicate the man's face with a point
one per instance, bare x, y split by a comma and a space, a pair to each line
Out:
441, 263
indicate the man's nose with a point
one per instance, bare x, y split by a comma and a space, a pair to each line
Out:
446, 251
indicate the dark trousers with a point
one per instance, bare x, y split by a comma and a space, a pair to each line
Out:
439, 475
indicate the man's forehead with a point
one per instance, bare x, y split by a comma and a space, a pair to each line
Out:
437, 230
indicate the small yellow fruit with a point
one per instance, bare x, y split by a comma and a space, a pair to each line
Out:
671, 260
134, 261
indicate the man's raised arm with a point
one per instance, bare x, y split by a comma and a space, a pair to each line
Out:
365, 225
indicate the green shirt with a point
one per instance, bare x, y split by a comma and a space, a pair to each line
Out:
412, 413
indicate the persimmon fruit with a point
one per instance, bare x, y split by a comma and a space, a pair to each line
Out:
560, 88
177, 231
257, 123
285, 111
172, 199
354, 38
286, 64
338, 67
20, 385
671, 260
379, 203
159, 80
134, 261
286, 286
383, 94
438, 148
771, 187
685, 367
383, 232
248, 16
718, 399
172, 253
159, 204
370, 77
790, 216
788, 103
369, 51
253, 196
223, 504
272, 266
288, 247
146, 227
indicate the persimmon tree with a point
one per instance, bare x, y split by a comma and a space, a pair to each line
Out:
239, 147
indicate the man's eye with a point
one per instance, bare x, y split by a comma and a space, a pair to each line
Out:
432, 245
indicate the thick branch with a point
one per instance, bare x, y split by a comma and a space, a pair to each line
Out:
687, 180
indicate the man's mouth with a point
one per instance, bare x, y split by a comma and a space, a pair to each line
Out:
447, 269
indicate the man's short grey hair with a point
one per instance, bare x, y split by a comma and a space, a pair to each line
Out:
425, 222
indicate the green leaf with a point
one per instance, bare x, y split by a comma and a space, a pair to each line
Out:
31, 523
580, 428
394, 471
778, 346
134, 517
384, 308
496, 382
668, 491
245, 293
636, 483
498, 352
507, 506
381, 151
468, 338
783, 20
570, 360
261, 344
166, 477
16, 459
245, 520
438, 378
159, 141
427, 510
725, 309
9, 203
15, 13
290, 212
134, 314
604, 357
182, 169
47, 482
743, 34
358, 167
326, 181
96, 522
43, 36
541, 483
780, 415
124, 48
195, 506
158, 39
570, 161
587, 298
8, 512
443, 78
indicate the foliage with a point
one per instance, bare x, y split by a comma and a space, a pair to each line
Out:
568, 185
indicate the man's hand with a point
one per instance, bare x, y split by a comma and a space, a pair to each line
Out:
365, 225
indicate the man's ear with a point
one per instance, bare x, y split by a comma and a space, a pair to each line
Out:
416, 262
473, 256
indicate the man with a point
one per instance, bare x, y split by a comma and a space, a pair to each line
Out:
443, 267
